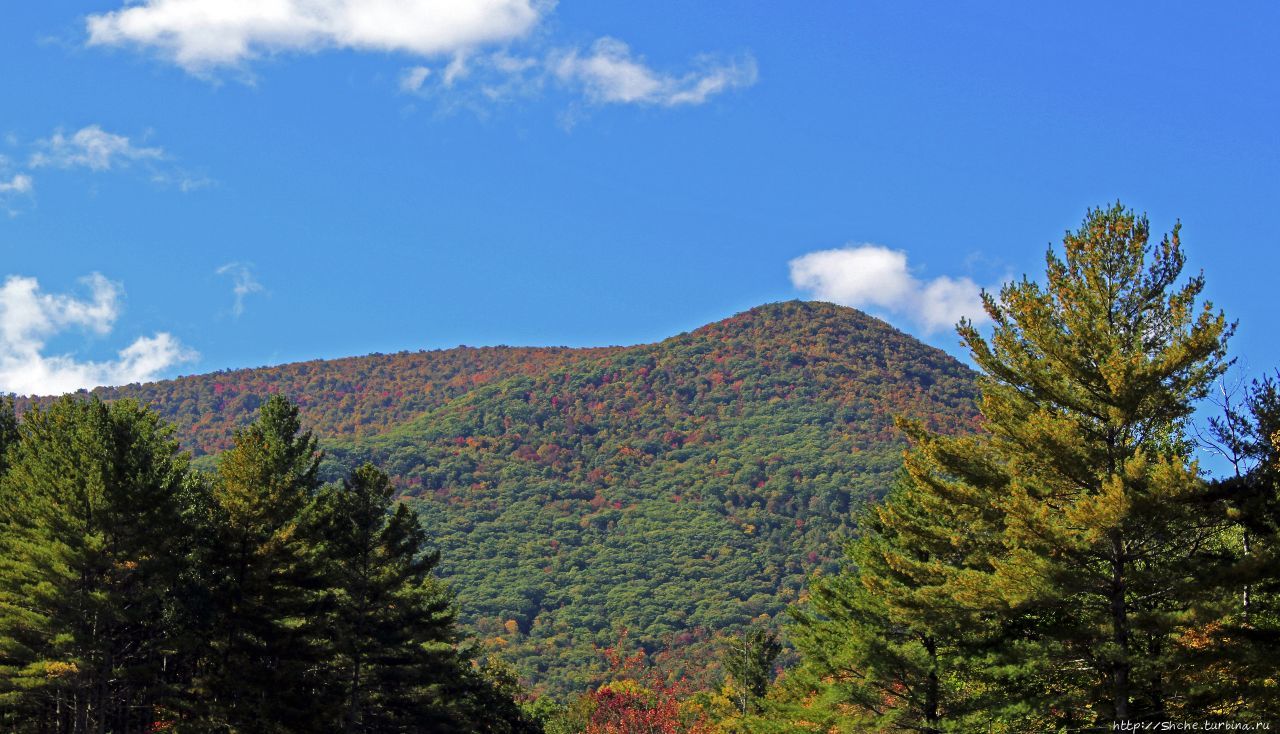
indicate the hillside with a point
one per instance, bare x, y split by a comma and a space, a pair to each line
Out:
677, 489
355, 396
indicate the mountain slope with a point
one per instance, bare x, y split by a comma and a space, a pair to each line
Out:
355, 396
677, 489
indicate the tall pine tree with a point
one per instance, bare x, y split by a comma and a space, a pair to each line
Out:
263, 667
896, 640
91, 529
1045, 572
390, 620
1087, 384
394, 662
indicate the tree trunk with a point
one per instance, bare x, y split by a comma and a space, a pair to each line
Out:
933, 720
353, 711
1119, 629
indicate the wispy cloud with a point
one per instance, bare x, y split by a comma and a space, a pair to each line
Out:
609, 73
19, 183
877, 278
412, 79
14, 185
606, 73
90, 147
14, 188
29, 318
243, 283
93, 149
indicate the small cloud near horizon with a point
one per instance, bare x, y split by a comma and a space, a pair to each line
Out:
877, 278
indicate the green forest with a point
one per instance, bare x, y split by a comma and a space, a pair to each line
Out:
798, 519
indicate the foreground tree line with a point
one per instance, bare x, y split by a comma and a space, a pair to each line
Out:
1068, 567
137, 595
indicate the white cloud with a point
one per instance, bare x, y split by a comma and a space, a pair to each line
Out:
97, 150
18, 185
29, 318
202, 35
90, 147
606, 73
877, 278
412, 79
457, 69
610, 73
243, 283
206, 36
21, 183
180, 179
476, 80
93, 149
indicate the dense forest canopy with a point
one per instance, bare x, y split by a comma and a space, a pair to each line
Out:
356, 396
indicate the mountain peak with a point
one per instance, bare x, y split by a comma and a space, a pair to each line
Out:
361, 396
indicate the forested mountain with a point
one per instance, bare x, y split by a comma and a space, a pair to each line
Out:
676, 489
354, 396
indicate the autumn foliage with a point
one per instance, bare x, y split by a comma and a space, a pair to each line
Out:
640, 699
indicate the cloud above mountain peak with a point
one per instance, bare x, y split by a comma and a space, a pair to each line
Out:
878, 278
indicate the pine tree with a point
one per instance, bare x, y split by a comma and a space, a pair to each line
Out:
390, 620
897, 640
1229, 662
749, 659
392, 647
91, 522
1087, 384
1043, 573
262, 669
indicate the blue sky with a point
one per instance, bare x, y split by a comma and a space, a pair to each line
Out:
406, 174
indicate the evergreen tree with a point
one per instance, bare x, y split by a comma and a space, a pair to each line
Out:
389, 619
898, 639
262, 671
394, 661
1229, 662
749, 659
1087, 385
484, 697
91, 528
1042, 574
